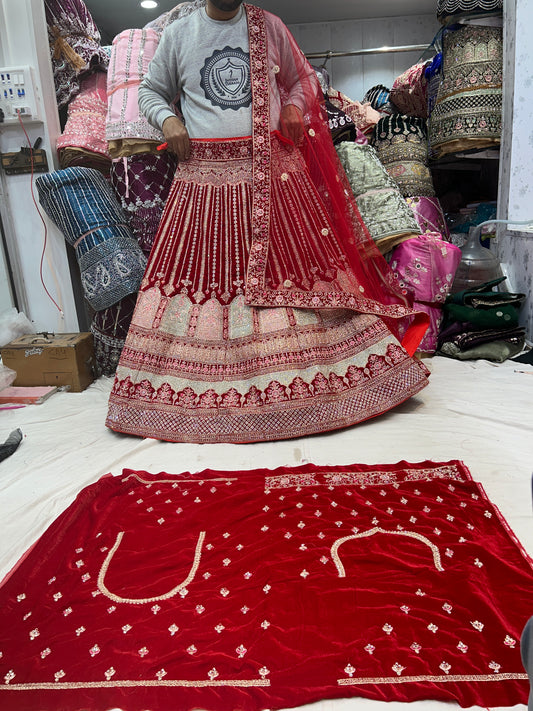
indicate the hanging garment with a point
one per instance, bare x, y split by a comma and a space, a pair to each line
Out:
448, 10
401, 143
74, 45
426, 266
83, 205
383, 208
468, 110
252, 223
83, 139
142, 183
127, 130
269, 589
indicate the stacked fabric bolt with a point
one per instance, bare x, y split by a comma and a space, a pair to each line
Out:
74, 46
402, 146
450, 10
468, 109
142, 183
429, 215
127, 130
409, 92
383, 209
482, 323
83, 205
109, 328
83, 139
425, 267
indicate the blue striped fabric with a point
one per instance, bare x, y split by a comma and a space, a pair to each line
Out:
84, 206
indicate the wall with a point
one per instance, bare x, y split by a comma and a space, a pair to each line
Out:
515, 246
355, 75
24, 41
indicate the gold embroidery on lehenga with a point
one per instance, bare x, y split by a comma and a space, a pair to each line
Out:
371, 532
139, 601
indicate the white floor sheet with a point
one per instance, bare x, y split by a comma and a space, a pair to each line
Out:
475, 411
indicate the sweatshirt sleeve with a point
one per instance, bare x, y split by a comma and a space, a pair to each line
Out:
161, 84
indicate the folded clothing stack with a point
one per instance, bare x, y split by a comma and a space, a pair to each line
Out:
482, 324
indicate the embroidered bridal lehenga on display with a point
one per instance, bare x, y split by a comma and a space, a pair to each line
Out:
266, 311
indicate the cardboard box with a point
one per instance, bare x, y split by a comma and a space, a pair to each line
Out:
52, 359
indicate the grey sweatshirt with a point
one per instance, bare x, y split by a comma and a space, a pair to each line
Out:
206, 62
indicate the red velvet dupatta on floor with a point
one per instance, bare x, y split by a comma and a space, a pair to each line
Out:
391, 582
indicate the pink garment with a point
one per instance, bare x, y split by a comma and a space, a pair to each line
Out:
363, 115
425, 267
85, 126
429, 215
131, 53
410, 91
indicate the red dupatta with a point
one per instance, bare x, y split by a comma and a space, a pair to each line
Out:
357, 276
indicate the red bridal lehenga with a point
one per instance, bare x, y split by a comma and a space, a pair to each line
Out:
266, 311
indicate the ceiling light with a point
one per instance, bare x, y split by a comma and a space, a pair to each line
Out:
148, 4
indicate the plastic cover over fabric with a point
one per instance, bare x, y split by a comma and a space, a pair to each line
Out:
83, 205
316, 582
383, 208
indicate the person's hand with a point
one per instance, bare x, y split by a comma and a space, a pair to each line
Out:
292, 123
177, 137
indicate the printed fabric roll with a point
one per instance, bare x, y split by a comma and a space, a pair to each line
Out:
468, 110
84, 207
449, 9
402, 146
83, 140
425, 267
429, 215
74, 46
383, 209
142, 184
127, 130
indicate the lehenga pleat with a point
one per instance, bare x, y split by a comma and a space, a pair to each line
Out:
200, 365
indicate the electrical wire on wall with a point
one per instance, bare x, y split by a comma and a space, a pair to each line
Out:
45, 240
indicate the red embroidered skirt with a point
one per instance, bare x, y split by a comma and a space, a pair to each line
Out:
200, 365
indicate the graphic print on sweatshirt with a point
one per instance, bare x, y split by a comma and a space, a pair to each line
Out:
226, 78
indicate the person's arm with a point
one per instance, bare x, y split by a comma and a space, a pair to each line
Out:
295, 75
158, 90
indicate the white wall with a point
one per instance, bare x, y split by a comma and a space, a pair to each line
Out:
515, 246
355, 75
24, 41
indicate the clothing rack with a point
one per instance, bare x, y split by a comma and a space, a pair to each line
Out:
376, 50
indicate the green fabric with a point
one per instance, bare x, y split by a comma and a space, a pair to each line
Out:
383, 209
498, 317
497, 351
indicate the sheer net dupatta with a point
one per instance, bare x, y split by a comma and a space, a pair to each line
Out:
310, 247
